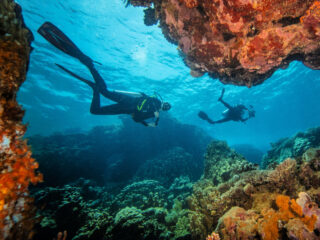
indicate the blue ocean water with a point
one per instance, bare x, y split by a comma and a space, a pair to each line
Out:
135, 57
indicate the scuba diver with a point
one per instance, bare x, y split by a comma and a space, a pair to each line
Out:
235, 113
139, 105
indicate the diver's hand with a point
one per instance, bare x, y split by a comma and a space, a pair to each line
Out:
156, 114
152, 124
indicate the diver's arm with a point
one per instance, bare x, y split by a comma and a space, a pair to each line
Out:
151, 124
155, 123
244, 119
145, 124
157, 116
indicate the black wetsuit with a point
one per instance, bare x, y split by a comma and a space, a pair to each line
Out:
141, 108
233, 113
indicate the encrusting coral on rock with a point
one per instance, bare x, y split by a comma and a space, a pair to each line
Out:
241, 42
287, 219
17, 167
292, 147
222, 163
254, 203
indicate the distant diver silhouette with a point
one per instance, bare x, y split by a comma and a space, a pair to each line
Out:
139, 105
235, 113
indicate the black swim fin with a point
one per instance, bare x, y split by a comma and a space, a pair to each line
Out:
58, 39
91, 84
203, 115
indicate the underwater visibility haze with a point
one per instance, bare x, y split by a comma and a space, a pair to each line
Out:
107, 177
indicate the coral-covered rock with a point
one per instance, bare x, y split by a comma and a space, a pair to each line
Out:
238, 223
143, 194
242, 42
310, 164
258, 190
17, 167
88, 212
292, 147
223, 163
283, 219
167, 166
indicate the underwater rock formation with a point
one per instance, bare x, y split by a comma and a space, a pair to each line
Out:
223, 163
254, 203
240, 42
115, 154
292, 147
17, 168
169, 165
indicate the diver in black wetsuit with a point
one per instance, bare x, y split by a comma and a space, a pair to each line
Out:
235, 113
140, 106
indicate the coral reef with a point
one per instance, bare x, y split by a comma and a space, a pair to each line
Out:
248, 204
222, 163
240, 42
17, 167
142, 210
287, 219
292, 147
251, 199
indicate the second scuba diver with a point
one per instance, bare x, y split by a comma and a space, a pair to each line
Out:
235, 113
139, 105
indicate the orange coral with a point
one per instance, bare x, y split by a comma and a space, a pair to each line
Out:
296, 207
190, 3
288, 209
213, 236
17, 167
312, 13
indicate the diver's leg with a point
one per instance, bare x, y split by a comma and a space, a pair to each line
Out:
96, 76
222, 120
113, 109
58, 39
221, 100
118, 97
226, 104
91, 84
222, 93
